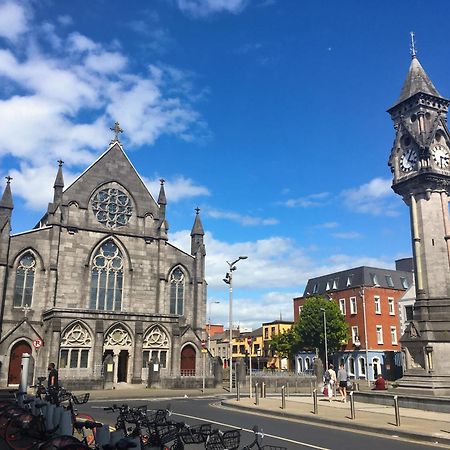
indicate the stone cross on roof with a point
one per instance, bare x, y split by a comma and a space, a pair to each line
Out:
8, 179
116, 128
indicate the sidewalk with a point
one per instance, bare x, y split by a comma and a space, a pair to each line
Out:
418, 425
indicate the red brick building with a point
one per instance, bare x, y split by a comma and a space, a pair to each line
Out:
368, 298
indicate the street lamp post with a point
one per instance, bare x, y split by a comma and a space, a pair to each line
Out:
209, 323
229, 280
250, 342
326, 343
363, 296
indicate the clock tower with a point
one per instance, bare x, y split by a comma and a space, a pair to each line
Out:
420, 165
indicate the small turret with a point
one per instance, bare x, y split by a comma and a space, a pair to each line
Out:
197, 233
6, 203
59, 184
162, 201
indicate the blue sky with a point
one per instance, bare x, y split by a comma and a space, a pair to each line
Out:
267, 114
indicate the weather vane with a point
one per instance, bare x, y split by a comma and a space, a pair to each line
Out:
413, 44
116, 128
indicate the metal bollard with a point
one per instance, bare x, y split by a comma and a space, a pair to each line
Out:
238, 392
397, 411
316, 405
283, 397
287, 389
256, 394
24, 374
263, 387
352, 406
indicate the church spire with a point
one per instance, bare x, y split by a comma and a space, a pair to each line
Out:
6, 203
59, 184
197, 233
162, 202
417, 81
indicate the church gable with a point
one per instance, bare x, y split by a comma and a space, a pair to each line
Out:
114, 170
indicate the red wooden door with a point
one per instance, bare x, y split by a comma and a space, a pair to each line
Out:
15, 361
188, 361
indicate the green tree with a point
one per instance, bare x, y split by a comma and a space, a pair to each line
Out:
310, 326
286, 343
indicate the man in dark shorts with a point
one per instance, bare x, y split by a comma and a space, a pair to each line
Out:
342, 380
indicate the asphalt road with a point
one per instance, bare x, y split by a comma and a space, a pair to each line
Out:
287, 433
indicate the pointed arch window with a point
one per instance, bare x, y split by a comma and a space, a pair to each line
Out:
177, 281
76, 343
107, 278
23, 290
155, 347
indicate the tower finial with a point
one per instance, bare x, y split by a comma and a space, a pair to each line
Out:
60, 162
162, 181
413, 44
116, 128
197, 211
8, 179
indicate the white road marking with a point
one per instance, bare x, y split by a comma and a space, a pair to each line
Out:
251, 431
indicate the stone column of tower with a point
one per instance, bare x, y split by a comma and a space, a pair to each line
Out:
420, 164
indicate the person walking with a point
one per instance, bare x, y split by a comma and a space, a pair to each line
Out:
342, 380
329, 379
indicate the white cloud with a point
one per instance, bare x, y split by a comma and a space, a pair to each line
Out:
13, 20
243, 219
176, 189
375, 197
32, 183
327, 225
46, 98
347, 235
204, 8
307, 201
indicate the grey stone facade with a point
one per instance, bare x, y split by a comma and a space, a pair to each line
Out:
420, 164
82, 311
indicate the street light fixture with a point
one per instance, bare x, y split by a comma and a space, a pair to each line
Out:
326, 343
209, 323
229, 280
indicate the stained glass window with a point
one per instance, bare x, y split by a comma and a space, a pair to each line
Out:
112, 207
107, 278
177, 292
23, 290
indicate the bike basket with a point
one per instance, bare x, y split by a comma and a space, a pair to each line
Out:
231, 439
196, 435
64, 396
81, 400
167, 432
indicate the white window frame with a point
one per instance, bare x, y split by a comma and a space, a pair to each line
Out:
391, 304
377, 301
379, 330
342, 306
353, 305
300, 307
349, 366
394, 336
355, 334
362, 366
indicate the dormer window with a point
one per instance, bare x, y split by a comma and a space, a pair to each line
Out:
374, 279
405, 283
335, 283
389, 281
328, 286
349, 280
315, 288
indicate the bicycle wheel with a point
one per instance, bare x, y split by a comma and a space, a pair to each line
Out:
63, 442
89, 435
6, 416
23, 432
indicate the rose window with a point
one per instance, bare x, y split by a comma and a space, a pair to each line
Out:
112, 207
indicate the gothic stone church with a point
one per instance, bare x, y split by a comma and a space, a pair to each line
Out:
97, 277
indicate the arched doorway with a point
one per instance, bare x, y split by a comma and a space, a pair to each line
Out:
15, 361
376, 364
187, 368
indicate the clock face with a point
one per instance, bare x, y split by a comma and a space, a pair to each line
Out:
408, 160
441, 156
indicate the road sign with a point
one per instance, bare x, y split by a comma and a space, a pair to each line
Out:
37, 343
249, 340
203, 344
